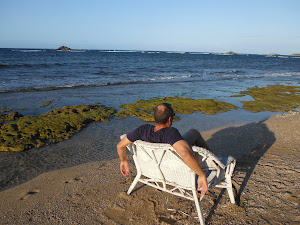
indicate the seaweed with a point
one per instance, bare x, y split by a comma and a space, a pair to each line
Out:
275, 98
52, 127
143, 108
44, 104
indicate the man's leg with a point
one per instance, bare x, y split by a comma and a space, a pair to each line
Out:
193, 137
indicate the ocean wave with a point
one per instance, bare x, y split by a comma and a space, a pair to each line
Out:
199, 53
164, 79
176, 52
4, 66
118, 51
28, 50
168, 78
28, 65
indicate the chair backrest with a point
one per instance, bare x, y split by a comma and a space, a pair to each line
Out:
162, 163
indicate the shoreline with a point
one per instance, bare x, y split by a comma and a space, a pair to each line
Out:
266, 176
98, 142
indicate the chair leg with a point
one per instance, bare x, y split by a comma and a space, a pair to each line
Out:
198, 207
230, 190
136, 179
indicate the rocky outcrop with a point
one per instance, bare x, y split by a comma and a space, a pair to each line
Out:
64, 48
230, 53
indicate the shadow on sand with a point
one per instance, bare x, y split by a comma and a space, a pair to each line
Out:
247, 143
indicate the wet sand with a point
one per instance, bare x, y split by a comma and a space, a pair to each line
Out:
266, 182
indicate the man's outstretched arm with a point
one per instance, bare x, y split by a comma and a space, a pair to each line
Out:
184, 150
121, 147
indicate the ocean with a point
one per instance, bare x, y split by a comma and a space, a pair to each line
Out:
29, 77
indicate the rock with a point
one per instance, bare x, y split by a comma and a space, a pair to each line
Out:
13, 116
230, 53
64, 48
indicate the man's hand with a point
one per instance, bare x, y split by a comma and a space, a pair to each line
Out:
202, 183
124, 167
121, 147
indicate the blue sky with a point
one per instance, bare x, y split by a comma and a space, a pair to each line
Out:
256, 26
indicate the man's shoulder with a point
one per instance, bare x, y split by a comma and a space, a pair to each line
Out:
145, 126
172, 129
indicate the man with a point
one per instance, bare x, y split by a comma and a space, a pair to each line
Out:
162, 132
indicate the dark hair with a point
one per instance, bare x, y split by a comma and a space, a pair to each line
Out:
162, 114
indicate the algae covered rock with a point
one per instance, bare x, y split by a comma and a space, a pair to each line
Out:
143, 108
57, 125
9, 117
276, 98
44, 104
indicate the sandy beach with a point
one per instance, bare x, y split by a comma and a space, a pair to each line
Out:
266, 182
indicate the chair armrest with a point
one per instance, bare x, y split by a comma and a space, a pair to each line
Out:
206, 154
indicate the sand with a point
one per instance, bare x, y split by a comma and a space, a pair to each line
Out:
266, 182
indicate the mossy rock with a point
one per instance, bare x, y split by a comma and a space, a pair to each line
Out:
237, 95
55, 126
10, 117
44, 104
143, 108
276, 98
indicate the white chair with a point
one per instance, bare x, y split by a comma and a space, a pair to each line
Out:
161, 167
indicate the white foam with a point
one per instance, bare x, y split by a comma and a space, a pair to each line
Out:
199, 53
117, 51
176, 52
170, 77
29, 50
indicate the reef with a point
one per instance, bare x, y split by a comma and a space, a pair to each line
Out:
276, 98
143, 108
44, 104
55, 126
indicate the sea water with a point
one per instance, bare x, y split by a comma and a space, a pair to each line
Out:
29, 77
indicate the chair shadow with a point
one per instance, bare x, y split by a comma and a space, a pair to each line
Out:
247, 143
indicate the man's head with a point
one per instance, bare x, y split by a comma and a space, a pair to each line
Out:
163, 112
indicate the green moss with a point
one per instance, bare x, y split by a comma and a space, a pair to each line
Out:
44, 104
6, 109
143, 108
237, 95
276, 98
57, 125
10, 117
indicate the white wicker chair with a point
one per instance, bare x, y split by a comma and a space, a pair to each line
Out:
159, 166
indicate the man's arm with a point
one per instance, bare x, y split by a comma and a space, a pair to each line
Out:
184, 150
121, 147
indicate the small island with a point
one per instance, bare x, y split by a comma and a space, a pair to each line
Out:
273, 54
64, 48
296, 54
231, 53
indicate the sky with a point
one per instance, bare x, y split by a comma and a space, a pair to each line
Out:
252, 26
